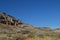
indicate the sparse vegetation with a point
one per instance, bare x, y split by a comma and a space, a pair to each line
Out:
13, 29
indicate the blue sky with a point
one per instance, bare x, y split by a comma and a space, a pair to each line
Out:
41, 13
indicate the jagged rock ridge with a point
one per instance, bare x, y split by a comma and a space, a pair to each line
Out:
8, 19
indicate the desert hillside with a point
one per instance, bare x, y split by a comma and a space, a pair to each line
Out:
14, 29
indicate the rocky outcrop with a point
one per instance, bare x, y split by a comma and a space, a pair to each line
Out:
8, 19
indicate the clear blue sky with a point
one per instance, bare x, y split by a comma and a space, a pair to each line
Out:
43, 13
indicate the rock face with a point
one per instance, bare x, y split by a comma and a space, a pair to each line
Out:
9, 20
